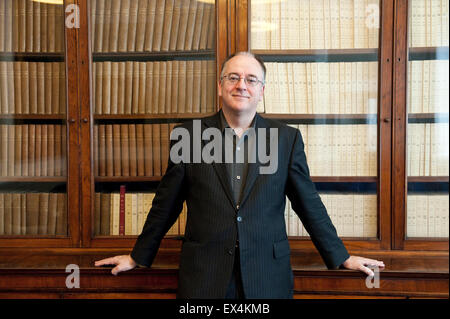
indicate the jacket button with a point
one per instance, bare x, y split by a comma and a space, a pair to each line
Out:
230, 252
239, 218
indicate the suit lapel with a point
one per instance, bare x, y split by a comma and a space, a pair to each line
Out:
220, 168
253, 168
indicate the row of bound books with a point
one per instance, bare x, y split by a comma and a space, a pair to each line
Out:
313, 24
32, 88
33, 150
152, 25
353, 215
427, 216
31, 26
428, 23
154, 87
428, 86
33, 214
428, 153
123, 213
340, 150
321, 88
131, 149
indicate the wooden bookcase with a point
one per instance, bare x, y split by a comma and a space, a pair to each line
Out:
411, 262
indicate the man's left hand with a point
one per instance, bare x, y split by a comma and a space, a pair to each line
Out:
361, 264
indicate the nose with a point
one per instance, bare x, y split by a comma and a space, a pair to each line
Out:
241, 84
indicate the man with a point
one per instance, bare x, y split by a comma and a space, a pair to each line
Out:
235, 242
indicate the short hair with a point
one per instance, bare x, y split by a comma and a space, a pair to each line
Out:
245, 53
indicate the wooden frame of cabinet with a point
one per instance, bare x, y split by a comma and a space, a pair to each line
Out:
232, 34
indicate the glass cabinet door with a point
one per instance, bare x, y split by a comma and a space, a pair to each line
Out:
427, 162
33, 131
323, 79
153, 66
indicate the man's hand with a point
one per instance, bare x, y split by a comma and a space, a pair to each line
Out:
122, 263
360, 263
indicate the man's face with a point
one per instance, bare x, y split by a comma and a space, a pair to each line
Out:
241, 97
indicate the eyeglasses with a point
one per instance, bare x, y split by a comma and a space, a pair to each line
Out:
249, 80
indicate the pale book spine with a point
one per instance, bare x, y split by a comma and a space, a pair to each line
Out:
141, 25
358, 208
284, 25
150, 26
159, 24
359, 88
149, 87
346, 24
198, 26
316, 24
175, 25
169, 88
326, 24
275, 33
140, 213
106, 40
134, 214
290, 87
132, 26
371, 207
293, 220
114, 85
346, 212
304, 25
115, 25
425, 86
283, 104
106, 90
411, 223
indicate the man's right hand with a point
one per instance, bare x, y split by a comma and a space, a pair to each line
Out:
122, 263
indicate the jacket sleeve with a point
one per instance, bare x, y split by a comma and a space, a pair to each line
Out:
166, 207
307, 204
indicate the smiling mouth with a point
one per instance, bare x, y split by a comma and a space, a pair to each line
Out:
241, 96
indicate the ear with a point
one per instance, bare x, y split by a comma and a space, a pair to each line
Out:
219, 88
262, 93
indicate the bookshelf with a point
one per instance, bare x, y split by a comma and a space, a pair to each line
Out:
329, 60
98, 128
153, 65
324, 59
34, 136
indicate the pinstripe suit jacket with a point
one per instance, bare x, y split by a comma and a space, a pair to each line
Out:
212, 227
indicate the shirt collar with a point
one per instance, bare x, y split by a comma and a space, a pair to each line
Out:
224, 124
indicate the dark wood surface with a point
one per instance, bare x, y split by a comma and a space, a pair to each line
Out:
42, 273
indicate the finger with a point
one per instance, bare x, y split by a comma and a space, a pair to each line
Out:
106, 261
367, 271
374, 263
116, 270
